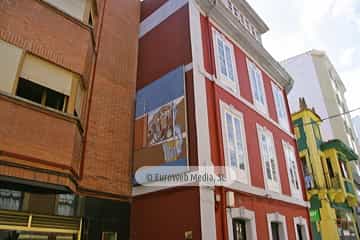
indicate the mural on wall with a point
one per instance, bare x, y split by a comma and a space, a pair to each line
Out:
160, 124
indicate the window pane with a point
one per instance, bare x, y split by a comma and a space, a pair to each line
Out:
222, 61
273, 168
260, 87
343, 170
66, 204
280, 106
29, 90
255, 83
231, 140
239, 227
55, 100
239, 143
229, 63
295, 175
275, 231
300, 232
266, 156
10, 200
294, 168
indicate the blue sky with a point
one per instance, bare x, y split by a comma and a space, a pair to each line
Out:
297, 26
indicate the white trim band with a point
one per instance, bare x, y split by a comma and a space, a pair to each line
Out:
160, 15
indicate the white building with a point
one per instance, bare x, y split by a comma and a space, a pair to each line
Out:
318, 82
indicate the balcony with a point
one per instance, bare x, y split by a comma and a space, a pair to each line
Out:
37, 143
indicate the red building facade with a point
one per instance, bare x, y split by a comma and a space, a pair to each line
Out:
236, 116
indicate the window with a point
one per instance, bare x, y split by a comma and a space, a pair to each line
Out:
275, 231
268, 155
241, 224
299, 232
301, 229
257, 87
330, 168
292, 170
66, 204
344, 171
309, 182
47, 84
280, 107
225, 63
10, 200
41, 95
277, 226
235, 149
239, 227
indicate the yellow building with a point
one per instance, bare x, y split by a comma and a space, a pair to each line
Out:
328, 179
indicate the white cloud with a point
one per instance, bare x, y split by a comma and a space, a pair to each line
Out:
343, 8
346, 57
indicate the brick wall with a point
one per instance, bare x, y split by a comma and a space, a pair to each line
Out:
98, 159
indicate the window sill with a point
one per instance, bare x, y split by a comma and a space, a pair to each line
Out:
43, 109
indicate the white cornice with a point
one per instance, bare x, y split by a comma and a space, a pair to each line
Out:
220, 15
258, 22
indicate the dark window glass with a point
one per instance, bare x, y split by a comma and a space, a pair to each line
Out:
330, 169
90, 19
54, 100
239, 227
275, 231
42, 95
29, 90
299, 229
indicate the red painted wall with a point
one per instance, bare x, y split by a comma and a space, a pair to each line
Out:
263, 206
165, 48
167, 214
149, 7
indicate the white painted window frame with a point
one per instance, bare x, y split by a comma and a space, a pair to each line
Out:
303, 223
243, 214
280, 106
270, 185
277, 218
242, 176
288, 148
225, 81
262, 107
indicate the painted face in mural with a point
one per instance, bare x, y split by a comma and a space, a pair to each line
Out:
161, 125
